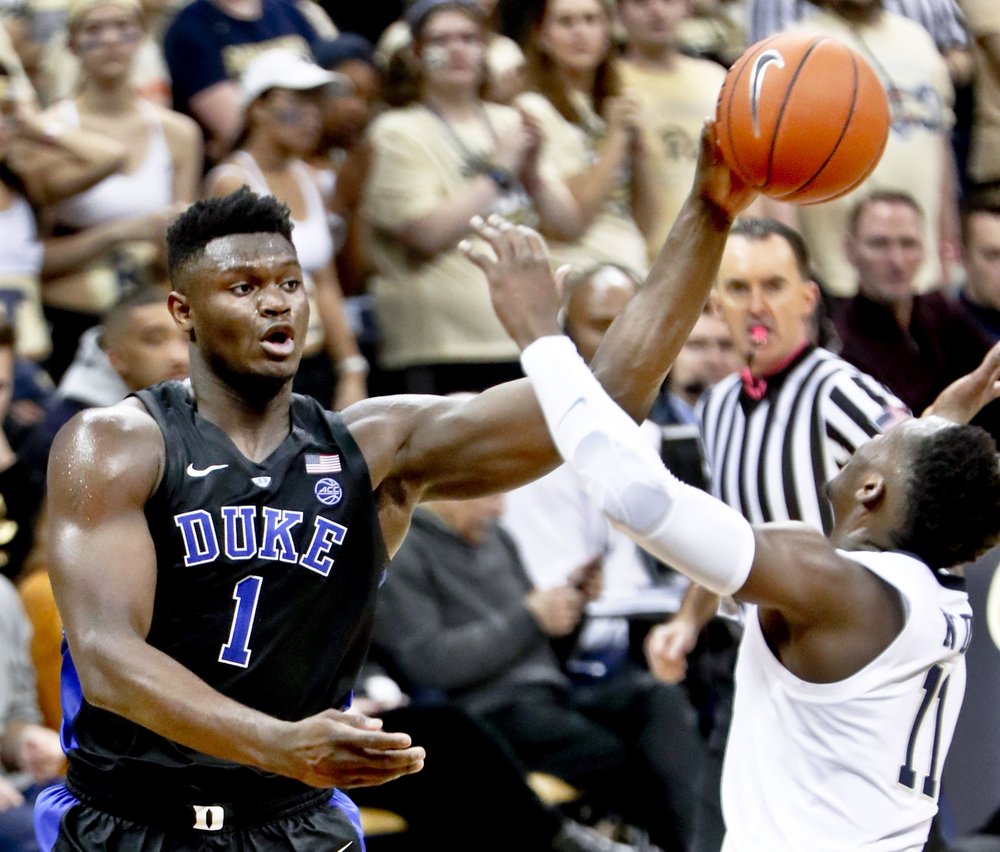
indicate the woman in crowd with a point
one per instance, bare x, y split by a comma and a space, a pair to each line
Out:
442, 156
104, 237
40, 164
282, 121
592, 132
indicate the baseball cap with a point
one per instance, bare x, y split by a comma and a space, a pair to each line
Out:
280, 68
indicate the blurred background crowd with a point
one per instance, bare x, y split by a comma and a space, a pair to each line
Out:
384, 127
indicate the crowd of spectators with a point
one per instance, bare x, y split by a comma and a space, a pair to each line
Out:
385, 128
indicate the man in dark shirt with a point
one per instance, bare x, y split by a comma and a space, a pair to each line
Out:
980, 294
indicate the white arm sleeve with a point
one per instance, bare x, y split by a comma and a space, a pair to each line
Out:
683, 526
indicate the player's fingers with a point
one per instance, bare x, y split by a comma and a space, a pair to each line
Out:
484, 261
495, 232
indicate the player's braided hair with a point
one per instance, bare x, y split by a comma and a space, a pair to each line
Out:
240, 212
954, 497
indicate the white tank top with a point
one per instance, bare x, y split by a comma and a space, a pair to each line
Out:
853, 765
20, 268
311, 236
149, 189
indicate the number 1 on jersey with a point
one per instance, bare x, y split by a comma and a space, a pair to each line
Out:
907, 775
236, 651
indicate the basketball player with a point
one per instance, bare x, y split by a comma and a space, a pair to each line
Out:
216, 548
851, 671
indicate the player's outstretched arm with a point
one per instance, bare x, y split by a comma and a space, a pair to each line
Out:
104, 466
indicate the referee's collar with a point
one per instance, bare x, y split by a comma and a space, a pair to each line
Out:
771, 382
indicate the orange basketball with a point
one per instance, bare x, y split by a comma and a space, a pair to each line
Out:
803, 118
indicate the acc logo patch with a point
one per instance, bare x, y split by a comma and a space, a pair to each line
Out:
328, 491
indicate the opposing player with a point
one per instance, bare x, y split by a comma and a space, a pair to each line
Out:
851, 671
216, 548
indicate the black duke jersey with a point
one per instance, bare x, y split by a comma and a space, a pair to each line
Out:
266, 582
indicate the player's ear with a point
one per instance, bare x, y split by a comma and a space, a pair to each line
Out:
871, 492
180, 310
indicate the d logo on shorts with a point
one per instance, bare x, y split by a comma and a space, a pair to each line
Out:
209, 817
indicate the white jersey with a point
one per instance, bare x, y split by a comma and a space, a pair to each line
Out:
852, 765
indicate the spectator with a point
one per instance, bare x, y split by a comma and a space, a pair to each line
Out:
676, 93
32, 754
209, 44
444, 157
593, 132
914, 343
136, 345
459, 616
39, 165
504, 57
282, 113
980, 294
104, 237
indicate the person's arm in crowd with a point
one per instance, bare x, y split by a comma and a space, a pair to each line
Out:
218, 108
644, 186
56, 162
341, 342
558, 213
65, 255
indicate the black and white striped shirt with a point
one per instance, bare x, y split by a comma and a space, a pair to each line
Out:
941, 18
770, 459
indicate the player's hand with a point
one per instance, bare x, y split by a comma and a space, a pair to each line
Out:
667, 647
964, 397
715, 183
524, 290
335, 749
557, 610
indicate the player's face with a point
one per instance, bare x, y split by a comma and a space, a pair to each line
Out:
708, 355
593, 306
760, 285
652, 22
245, 307
151, 348
982, 258
886, 249
576, 34
451, 51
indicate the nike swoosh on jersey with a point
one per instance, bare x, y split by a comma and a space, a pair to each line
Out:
204, 471
342, 848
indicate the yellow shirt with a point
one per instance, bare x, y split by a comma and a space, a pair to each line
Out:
675, 105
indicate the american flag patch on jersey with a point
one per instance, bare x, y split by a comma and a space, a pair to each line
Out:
323, 463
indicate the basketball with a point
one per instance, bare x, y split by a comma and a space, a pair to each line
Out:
802, 118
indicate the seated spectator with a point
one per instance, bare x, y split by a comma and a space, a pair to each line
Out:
594, 133
281, 95
105, 236
459, 616
441, 159
138, 344
915, 344
979, 295
983, 20
32, 754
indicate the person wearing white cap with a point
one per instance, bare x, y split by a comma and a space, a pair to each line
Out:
281, 94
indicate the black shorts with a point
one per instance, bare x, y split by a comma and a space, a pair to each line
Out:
324, 822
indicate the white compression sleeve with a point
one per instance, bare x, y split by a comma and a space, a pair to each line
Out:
683, 526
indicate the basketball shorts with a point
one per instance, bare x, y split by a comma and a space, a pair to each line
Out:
67, 820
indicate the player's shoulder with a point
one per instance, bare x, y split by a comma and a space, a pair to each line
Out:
99, 435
